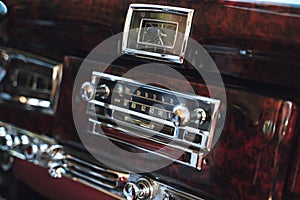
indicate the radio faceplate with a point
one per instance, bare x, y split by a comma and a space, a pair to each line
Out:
181, 121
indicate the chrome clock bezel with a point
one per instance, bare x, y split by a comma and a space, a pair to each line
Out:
176, 57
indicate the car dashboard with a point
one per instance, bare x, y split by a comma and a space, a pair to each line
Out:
150, 99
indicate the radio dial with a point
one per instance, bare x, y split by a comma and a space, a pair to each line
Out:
181, 115
199, 116
87, 91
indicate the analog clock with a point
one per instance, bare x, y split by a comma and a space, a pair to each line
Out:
157, 32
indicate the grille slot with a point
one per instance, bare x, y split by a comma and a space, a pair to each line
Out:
91, 173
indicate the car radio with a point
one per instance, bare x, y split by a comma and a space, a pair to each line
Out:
148, 111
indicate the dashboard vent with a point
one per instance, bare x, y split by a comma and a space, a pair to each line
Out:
93, 174
29, 80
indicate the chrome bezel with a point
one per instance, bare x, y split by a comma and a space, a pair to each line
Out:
50, 105
153, 55
196, 151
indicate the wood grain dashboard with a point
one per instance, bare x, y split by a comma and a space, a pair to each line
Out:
255, 47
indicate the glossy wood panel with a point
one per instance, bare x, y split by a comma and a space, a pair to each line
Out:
268, 33
28, 119
50, 188
293, 184
246, 163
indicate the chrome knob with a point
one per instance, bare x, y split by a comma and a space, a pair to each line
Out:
31, 151
56, 170
17, 140
55, 163
199, 116
102, 91
87, 91
24, 140
56, 153
140, 190
131, 191
180, 115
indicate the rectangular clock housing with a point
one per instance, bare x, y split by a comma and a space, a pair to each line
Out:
157, 32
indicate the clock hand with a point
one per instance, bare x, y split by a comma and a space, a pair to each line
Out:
163, 34
161, 41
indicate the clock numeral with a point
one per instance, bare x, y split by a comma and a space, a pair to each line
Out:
151, 110
143, 108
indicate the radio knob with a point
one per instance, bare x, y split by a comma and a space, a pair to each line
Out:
87, 91
102, 91
131, 191
180, 115
199, 116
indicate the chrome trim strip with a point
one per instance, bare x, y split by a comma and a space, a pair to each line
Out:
57, 72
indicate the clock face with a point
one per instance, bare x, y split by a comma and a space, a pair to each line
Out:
157, 32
